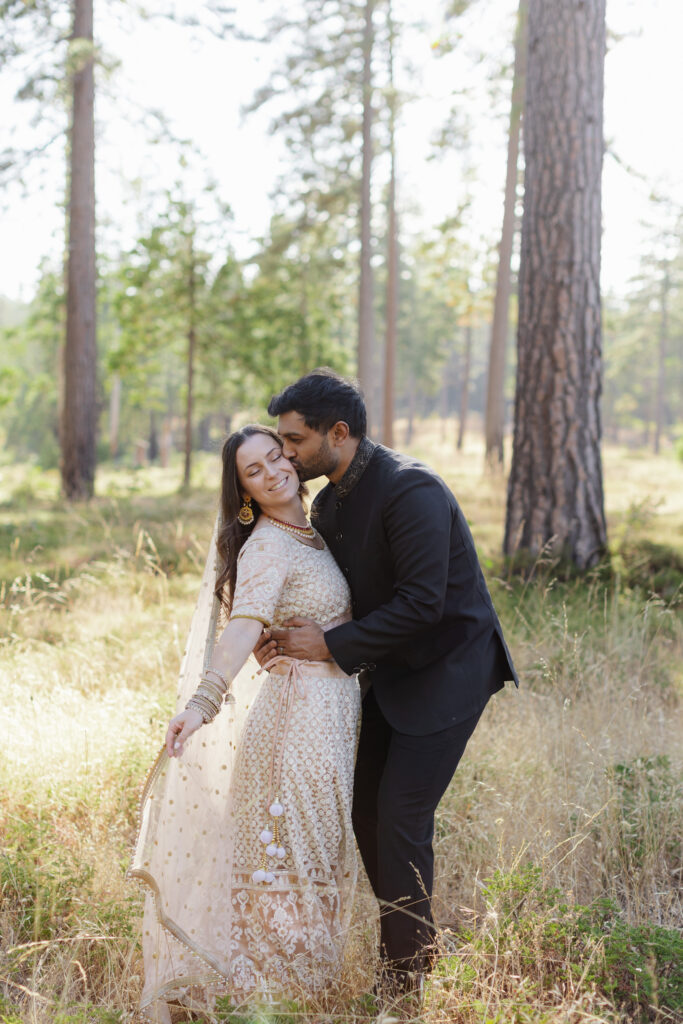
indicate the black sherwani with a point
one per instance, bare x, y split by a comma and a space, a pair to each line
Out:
426, 637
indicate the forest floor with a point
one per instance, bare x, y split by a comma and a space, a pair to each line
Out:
559, 845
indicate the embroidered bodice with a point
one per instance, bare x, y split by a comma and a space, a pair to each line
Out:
279, 577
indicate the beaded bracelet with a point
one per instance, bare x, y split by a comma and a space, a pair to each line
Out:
215, 672
208, 712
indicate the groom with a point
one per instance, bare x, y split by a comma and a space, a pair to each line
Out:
424, 637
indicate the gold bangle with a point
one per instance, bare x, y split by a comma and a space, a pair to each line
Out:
220, 675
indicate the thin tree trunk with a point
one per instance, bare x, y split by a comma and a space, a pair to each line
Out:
205, 433
661, 362
153, 445
555, 492
495, 388
443, 406
166, 442
114, 415
410, 423
392, 260
465, 387
79, 410
365, 298
191, 344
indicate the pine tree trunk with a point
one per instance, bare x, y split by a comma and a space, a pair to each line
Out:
79, 409
392, 262
205, 433
114, 415
661, 362
555, 492
495, 388
465, 387
191, 345
412, 396
153, 443
365, 297
166, 445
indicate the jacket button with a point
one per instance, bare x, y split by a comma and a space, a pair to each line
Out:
339, 535
338, 505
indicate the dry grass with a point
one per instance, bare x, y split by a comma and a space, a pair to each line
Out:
569, 797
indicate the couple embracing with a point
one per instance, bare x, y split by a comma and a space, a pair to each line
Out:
246, 847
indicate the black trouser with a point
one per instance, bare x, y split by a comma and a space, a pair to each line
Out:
398, 783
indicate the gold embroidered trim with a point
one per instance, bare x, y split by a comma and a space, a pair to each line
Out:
359, 463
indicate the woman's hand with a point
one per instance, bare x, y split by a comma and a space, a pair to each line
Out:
180, 729
266, 648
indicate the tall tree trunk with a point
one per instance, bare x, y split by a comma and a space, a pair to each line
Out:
79, 410
114, 415
365, 297
555, 492
191, 344
495, 388
153, 444
392, 260
205, 433
166, 442
465, 386
661, 361
412, 396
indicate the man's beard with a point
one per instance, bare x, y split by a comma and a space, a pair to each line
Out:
321, 464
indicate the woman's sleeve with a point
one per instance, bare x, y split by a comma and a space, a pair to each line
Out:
262, 569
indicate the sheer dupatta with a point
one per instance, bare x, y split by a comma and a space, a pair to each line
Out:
184, 851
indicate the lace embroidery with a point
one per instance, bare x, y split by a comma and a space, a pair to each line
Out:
291, 934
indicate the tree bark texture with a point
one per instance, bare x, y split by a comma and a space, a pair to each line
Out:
365, 297
79, 409
495, 386
555, 492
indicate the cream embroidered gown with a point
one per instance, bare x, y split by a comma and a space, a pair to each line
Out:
210, 929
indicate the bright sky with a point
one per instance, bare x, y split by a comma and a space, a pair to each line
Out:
201, 86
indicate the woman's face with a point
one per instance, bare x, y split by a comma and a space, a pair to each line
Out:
265, 474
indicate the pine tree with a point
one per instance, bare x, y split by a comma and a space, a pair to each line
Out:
555, 492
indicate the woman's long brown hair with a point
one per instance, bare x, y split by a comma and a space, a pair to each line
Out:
233, 534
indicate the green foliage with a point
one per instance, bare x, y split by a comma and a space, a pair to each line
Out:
29, 374
88, 1015
653, 566
9, 1014
39, 880
648, 794
642, 334
553, 942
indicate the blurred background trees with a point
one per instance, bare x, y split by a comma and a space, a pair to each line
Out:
197, 326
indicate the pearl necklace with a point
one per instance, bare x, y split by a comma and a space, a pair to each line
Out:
297, 531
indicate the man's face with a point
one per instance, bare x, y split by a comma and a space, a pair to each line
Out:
308, 450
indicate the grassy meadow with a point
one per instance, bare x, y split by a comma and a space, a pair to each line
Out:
559, 844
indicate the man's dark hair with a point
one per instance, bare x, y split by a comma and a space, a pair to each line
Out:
323, 397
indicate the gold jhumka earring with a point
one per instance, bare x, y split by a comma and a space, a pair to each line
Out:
246, 513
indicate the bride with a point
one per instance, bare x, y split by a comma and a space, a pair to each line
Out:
246, 848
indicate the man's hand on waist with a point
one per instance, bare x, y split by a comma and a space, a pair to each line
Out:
301, 638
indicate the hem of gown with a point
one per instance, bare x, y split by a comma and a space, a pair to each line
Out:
148, 883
